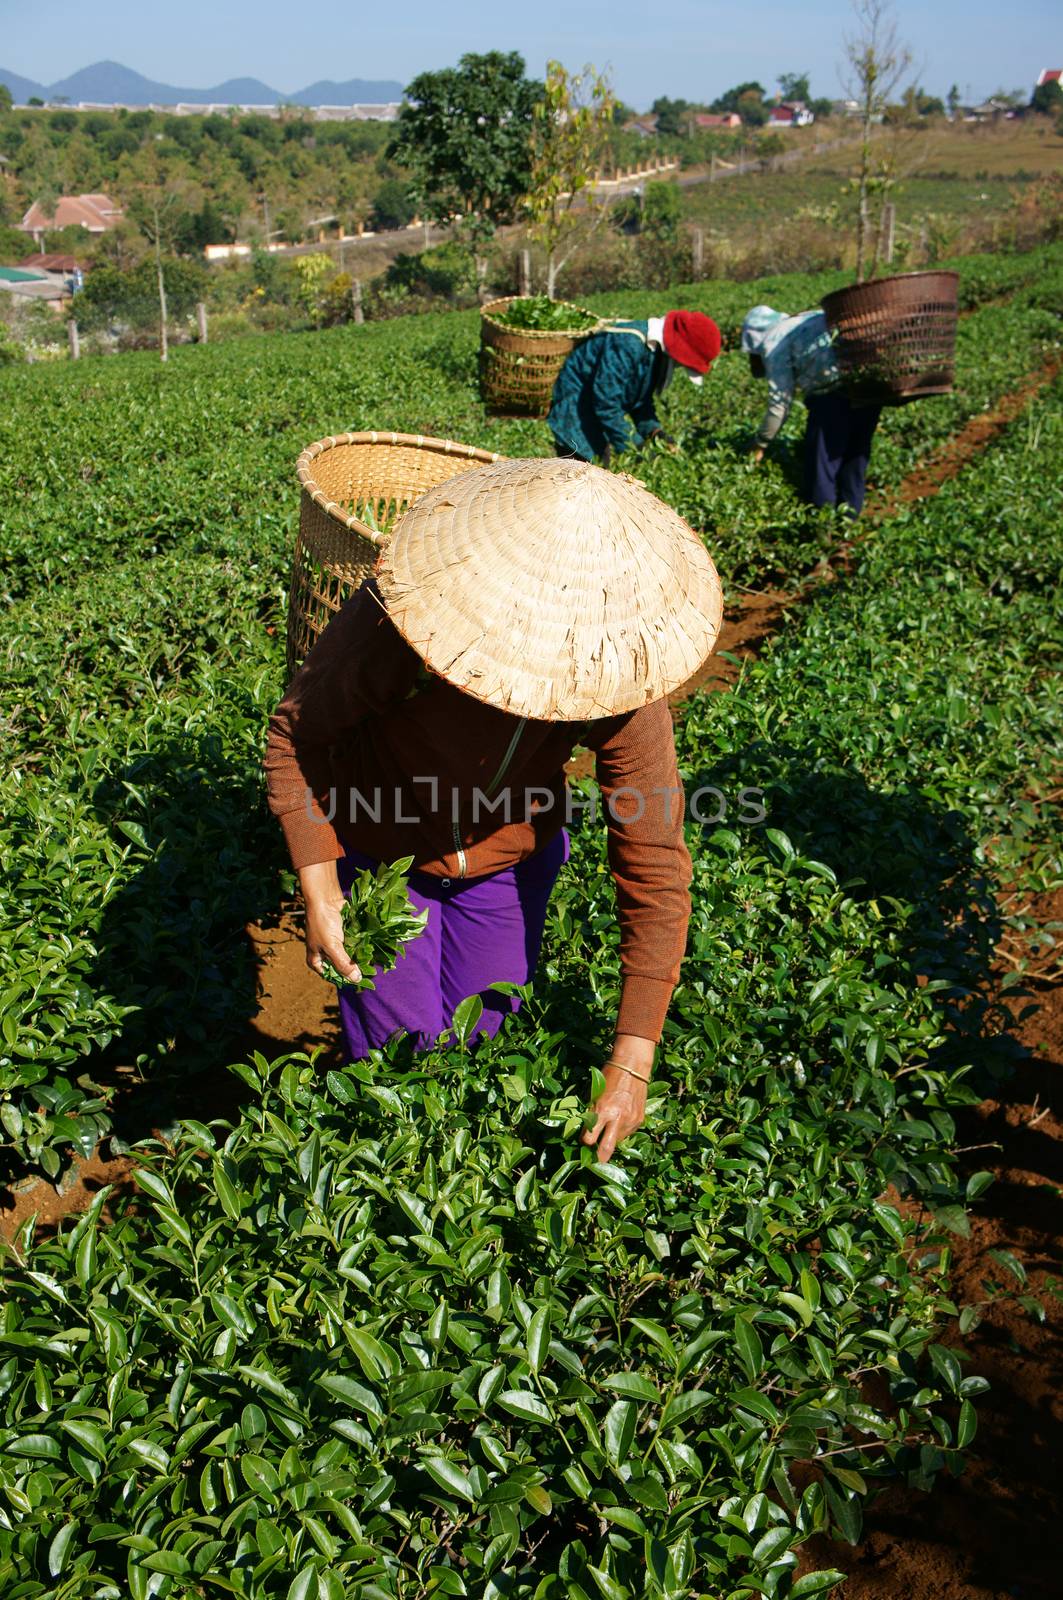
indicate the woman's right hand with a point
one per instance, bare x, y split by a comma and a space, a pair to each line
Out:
323, 899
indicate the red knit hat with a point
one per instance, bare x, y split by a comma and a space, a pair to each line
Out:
692, 339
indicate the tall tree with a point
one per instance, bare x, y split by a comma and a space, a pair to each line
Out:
159, 201
874, 63
670, 115
795, 86
465, 136
1047, 97
570, 132
741, 99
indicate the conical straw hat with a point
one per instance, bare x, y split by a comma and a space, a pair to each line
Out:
551, 589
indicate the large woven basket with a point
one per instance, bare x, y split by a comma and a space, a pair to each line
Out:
896, 337
518, 366
349, 482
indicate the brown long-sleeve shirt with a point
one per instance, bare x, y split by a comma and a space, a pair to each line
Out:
368, 750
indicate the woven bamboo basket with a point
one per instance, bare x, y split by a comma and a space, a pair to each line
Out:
896, 337
518, 366
349, 483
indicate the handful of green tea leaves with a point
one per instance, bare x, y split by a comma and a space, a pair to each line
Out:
378, 922
540, 314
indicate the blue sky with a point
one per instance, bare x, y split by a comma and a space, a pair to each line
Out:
688, 48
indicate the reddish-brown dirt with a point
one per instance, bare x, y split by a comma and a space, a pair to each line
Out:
297, 1011
990, 1534
747, 625
971, 440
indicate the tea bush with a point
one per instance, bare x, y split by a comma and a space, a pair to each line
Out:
396, 1333
145, 564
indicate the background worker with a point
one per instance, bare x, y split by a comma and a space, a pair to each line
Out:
618, 374
796, 356
518, 610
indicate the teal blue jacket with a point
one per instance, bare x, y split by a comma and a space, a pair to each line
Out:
609, 377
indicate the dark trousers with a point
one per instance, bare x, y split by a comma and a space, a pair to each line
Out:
837, 449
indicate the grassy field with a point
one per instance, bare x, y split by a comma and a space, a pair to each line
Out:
968, 150
955, 187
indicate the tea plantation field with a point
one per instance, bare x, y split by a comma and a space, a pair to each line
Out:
389, 1331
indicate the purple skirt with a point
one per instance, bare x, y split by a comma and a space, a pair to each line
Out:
479, 931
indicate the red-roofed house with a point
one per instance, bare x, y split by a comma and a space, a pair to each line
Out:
52, 262
791, 114
93, 212
717, 119
1050, 75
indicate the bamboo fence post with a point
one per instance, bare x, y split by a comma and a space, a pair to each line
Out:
525, 272
699, 253
357, 313
75, 342
201, 321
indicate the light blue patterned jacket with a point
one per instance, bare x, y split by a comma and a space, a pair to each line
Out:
798, 356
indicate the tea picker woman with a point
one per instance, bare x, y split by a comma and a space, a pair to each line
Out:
619, 373
796, 356
518, 610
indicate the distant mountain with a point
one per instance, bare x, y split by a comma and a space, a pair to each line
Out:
22, 88
109, 83
356, 91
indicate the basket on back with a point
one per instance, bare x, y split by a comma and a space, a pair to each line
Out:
354, 485
896, 337
518, 366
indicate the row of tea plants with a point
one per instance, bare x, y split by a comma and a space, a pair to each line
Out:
148, 525
393, 1333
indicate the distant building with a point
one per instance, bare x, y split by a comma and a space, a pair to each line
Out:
991, 110
54, 261
791, 114
645, 127
1050, 75
96, 213
22, 284
717, 119
845, 108
386, 111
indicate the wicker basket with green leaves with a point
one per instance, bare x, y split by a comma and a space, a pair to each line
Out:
524, 342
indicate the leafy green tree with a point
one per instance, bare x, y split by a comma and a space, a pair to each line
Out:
39, 168
752, 109
952, 100
743, 92
662, 210
446, 270
795, 86
464, 135
112, 295
6, 101
669, 114
391, 206
312, 274
159, 204
571, 124
1047, 98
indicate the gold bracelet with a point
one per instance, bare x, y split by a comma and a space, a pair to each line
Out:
642, 1077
